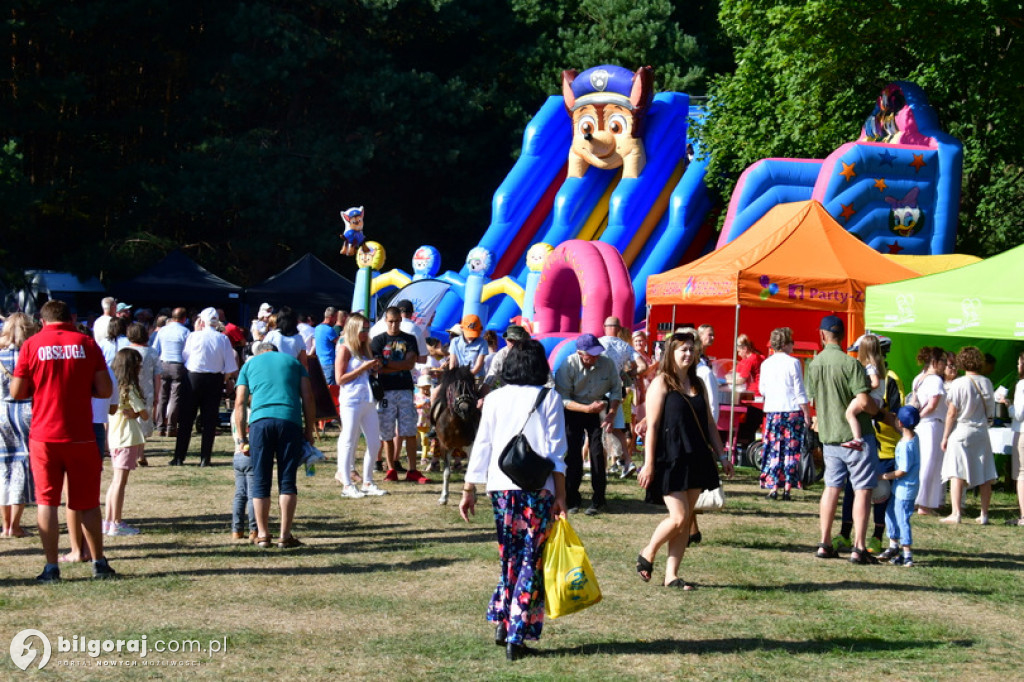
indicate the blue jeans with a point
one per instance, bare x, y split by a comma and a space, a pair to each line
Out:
242, 506
272, 439
897, 520
328, 374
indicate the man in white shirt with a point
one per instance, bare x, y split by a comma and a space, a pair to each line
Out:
99, 327
169, 342
208, 359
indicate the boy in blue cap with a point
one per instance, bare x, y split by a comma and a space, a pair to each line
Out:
904, 482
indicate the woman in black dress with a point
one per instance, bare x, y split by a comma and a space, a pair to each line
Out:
679, 458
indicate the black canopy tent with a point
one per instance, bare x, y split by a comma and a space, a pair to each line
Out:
307, 286
177, 280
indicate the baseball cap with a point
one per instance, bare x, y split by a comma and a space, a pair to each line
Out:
456, 329
612, 321
832, 323
209, 315
515, 333
471, 327
123, 306
265, 310
908, 416
589, 344
405, 306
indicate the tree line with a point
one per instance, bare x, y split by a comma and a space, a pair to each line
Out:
238, 130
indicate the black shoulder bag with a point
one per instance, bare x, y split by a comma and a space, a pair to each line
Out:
521, 463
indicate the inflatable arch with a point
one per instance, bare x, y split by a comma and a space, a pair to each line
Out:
582, 283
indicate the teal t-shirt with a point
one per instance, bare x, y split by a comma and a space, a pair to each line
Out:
274, 381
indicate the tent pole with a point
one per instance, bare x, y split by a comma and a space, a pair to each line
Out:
673, 319
732, 387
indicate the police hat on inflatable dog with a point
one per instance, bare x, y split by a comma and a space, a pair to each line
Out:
606, 84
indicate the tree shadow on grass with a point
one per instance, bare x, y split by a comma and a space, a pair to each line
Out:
736, 645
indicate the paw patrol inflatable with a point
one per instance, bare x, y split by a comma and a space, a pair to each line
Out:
607, 105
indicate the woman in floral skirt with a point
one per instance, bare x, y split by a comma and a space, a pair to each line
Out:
787, 414
15, 415
523, 518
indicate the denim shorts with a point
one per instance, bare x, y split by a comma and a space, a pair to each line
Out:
274, 440
860, 466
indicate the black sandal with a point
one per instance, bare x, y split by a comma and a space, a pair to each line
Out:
826, 551
644, 568
681, 584
862, 557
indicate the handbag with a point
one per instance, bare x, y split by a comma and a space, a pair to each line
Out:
710, 500
570, 584
376, 388
521, 463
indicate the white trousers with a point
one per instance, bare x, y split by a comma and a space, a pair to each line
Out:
356, 418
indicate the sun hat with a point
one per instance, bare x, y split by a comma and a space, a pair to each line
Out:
209, 315
515, 333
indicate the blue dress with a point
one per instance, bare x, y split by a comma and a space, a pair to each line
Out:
15, 417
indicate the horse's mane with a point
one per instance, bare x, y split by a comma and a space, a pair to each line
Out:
458, 391
456, 382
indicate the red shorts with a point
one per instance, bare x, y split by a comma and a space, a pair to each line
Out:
80, 461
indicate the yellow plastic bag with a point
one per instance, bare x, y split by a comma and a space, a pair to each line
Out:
569, 581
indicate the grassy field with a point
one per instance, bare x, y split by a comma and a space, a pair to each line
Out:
397, 587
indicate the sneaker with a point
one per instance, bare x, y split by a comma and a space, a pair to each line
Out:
352, 492
841, 544
628, 471
416, 477
118, 529
889, 554
106, 526
379, 466
101, 570
981, 520
372, 490
902, 560
391, 475
399, 468
50, 574
874, 545
574, 510
594, 509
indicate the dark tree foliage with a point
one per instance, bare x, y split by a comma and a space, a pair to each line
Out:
808, 72
238, 130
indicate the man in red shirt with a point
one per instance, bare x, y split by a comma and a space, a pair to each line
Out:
62, 370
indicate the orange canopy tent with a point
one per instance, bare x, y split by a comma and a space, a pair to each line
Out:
795, 265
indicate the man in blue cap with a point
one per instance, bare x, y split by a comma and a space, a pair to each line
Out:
588, 382
833, 380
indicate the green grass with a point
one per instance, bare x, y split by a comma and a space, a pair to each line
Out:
397, 587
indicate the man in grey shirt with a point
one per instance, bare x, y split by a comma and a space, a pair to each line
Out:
588, 382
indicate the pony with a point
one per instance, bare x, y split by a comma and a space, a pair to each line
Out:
455, 415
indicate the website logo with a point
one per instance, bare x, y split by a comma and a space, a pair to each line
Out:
23, 654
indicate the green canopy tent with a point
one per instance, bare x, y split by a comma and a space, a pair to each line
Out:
975, 305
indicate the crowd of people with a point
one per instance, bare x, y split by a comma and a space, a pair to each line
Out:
146, 376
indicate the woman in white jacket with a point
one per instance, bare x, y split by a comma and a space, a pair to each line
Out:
523, 517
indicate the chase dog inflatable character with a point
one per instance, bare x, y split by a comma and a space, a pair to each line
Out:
607, 105
353, 234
